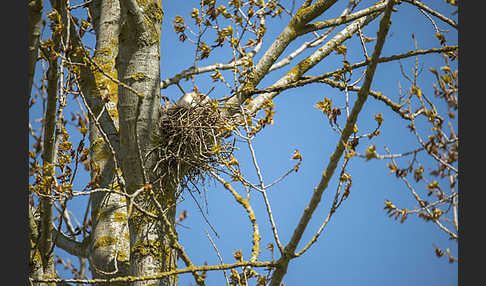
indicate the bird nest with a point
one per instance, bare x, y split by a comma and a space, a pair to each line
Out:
193, 141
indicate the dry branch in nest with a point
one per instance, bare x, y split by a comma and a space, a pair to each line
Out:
193, 140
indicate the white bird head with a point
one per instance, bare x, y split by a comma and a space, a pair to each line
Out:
192, 99
187, 100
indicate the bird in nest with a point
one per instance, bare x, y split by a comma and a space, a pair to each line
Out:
192, 99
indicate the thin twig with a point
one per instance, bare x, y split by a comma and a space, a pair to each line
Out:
334, 207
251, 215
120, 179
174, 240
433, 12
316, 41
426, 208
219, 256
202, 213
336, 155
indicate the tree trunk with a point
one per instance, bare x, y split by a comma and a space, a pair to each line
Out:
138, 67
35, 23
108, 251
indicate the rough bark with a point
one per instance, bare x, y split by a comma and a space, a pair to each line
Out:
108, 250
138, 66
35, 264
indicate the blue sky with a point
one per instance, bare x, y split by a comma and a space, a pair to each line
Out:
361, 244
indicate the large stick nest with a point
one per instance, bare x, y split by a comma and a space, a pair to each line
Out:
193, 140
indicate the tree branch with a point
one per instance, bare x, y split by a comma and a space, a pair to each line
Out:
161, 274
433, 12
248, 139
275, 89
35, 23
335, 157
378, 7
426, 207
296, 72
317, 41
289, 33
335, 205
251, 215
218, 66
48, 158
71, 246
174, 241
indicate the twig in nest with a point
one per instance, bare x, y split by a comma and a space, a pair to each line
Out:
192, 141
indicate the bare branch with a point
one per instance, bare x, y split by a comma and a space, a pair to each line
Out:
302, 67
335, 205
426, 208
378, 7
262, 185
199, 70
84, 4
276, 88
161, 274
35, 23
289, 33
219, 256
315, 42
449, 166
335, 157
433, 12
214, 67
71, 246
251, 215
